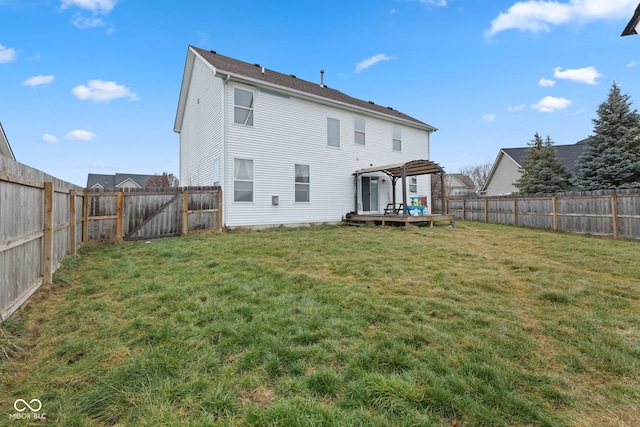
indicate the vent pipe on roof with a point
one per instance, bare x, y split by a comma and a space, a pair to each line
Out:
321, 78
263, 71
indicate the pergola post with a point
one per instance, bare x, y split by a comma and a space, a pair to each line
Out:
355, 205
404, 190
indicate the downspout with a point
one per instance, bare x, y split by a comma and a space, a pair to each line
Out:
225, 163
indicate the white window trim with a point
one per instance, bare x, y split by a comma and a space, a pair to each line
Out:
363, 132
413, 184
253, 181
327, 132
394, 139
295, 183
251, 109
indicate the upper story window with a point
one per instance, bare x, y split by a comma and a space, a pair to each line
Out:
359, 132
302, 183
242, 107
333, 132
397, 138
242, 180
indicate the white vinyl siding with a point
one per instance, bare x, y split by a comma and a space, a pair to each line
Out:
359, 130
242, 107
333, 132
397, 139
242, 180
302, 190
202, 133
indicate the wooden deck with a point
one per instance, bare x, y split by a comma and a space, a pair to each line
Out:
420, 221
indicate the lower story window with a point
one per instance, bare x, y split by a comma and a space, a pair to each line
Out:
302, 183
413, 184
242, 180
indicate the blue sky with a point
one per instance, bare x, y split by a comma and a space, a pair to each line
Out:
91, 86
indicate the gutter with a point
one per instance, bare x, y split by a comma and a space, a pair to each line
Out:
228, 76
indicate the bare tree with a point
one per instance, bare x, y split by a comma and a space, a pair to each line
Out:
479, 174
162, 181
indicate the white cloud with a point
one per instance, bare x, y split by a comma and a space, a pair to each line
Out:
546, 82
80, 135
489, 117
586, 75
516, 108
441, 3
96, 6
84, 23
633, 64
38, 80
101, 91
540, 15
363, 65
49, 138
549, 104
7, 54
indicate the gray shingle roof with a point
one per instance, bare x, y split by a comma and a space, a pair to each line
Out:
225, 64
112, 181
567, 153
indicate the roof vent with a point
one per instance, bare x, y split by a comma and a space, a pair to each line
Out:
293, 75
372, 103
256, 65
321, 78
390, 108
213, 51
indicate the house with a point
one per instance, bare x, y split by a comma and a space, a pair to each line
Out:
5, 148
457, 184
284, 150
119, 180
506, 169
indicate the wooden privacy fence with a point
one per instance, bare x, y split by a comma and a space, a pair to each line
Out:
42, 219
135, 214
613, 213
40, 222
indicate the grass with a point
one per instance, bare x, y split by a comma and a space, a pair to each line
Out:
329, 326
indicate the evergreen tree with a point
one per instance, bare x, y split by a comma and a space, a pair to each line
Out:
611, 158
542, 171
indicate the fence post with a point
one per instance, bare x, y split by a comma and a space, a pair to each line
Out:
85, 217
72, 222
486, 210
219, 209
515, 211
554, 202
48, 233
464, 209
614, 214
119, 216
185, 212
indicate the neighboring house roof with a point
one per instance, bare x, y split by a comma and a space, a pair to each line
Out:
256, 74
116, 181
568, 154
5, 148
464, 180
632, 26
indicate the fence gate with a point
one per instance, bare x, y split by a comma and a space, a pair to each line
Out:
137, 214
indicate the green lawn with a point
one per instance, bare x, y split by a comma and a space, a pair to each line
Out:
480, 325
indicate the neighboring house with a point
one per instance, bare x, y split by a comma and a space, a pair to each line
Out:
5, 148
119, 180
506, 169
285, 150
457, 184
